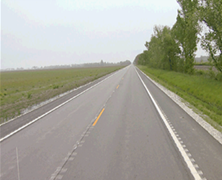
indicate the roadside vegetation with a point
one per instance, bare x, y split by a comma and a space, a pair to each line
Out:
201, 92
202, 64
170, 56
174, 48
20, 90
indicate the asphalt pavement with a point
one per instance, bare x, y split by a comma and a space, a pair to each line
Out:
112, 131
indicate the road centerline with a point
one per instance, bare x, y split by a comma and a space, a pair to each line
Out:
98, 117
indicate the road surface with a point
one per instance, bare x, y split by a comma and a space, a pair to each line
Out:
113, 131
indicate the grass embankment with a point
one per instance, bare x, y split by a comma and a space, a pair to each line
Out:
203, 93
22, 89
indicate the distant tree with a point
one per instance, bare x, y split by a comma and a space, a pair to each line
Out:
136, 59
154, 49
143, 58
161, 51
170, 50
125, 63
211, 15
101, 62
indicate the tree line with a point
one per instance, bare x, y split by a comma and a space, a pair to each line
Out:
174, 48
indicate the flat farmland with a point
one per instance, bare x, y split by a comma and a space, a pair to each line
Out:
20, 90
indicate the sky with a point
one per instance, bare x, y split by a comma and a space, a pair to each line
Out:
59, 32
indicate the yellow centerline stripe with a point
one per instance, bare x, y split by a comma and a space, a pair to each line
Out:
117, 87
98, 117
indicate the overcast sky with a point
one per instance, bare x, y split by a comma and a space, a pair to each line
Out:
54, 32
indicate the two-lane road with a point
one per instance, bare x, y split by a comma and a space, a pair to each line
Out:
111, 131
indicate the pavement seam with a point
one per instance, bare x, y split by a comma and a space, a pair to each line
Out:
184, 146
60, 171
71, 155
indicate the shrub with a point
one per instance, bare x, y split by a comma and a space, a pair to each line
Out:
219, 77
200, 72
29, 95
211, 74
55, 86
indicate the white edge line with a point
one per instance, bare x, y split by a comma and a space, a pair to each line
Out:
179, 146
217, 135
53, 98
58, 96
36, 119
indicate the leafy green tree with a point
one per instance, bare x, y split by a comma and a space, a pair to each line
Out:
211, 15
170, 50
154, 54
143, 59
162, 49
186, 30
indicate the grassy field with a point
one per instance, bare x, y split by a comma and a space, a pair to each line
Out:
203, 93
22, 89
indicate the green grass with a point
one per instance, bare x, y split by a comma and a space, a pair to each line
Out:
22, 89
205, 94
203, 63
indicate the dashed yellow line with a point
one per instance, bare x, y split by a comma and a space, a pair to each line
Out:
117, 87
98, 117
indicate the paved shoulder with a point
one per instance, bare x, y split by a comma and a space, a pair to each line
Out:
204, 151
